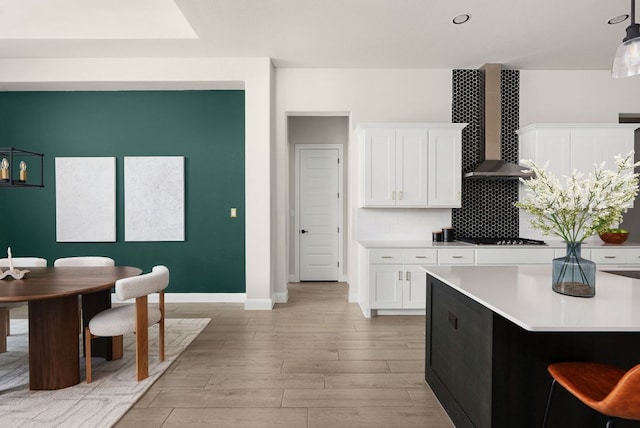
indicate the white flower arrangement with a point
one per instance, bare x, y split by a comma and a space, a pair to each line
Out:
579, 207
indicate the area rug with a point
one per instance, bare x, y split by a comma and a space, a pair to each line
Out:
99, 404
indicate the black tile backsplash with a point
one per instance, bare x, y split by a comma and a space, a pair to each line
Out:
487, 205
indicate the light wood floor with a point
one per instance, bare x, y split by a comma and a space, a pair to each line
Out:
313, 362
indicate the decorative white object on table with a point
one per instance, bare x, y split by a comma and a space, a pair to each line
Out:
14, 273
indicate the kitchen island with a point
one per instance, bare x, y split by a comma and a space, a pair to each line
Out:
492, 331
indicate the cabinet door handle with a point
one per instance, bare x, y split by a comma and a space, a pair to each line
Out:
408, 276
400, 275
453, 320
393, 195
400, 195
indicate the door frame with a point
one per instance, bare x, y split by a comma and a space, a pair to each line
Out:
341, 206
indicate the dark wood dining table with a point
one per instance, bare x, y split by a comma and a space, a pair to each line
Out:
54, 317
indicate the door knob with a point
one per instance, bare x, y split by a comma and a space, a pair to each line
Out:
304, 231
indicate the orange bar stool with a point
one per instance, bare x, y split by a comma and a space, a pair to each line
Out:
612, 391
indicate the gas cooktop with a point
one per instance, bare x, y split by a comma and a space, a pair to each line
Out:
502, 241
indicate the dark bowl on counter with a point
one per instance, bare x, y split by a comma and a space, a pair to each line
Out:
614, 237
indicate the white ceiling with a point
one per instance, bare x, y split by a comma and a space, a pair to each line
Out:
521, 34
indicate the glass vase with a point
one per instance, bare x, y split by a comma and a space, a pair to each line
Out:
572, 275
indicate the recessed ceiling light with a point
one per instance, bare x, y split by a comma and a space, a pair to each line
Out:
461, 19
618, 19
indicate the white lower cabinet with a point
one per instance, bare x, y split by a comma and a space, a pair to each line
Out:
456, 256
614, 256
396, 280
514, 256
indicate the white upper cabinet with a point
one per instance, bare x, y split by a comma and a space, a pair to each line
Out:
445, 170
411, 165
575, 146
569, 147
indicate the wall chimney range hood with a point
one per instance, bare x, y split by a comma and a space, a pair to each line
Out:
493, 167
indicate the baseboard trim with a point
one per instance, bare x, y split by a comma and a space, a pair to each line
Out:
401, 312
281, 297
258, 304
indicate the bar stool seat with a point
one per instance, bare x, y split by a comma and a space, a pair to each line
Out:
612, 391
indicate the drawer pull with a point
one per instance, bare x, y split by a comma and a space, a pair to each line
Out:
421, 257
453, 320
610, 257
386, 257
457, 257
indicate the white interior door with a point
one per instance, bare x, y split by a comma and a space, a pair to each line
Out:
319, 205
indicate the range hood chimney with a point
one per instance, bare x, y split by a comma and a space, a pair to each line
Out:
493, 166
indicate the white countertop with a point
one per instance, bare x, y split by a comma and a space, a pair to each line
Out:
415, 244
459, 244
523, 295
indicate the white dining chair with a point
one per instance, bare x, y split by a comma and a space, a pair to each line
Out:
5, 319
132, 318
23, 262
84, 261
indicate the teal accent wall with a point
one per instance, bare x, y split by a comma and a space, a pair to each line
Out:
206, 127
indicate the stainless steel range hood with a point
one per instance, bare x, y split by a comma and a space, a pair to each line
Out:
493, 166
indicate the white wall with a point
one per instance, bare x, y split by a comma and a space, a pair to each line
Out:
576, 97
254, 75
366, 96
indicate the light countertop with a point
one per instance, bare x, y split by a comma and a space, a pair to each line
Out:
414, 244
523, 295
459, 244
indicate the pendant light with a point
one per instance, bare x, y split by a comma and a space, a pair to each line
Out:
627, 60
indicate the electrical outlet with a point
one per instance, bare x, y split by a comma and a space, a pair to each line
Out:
234, 212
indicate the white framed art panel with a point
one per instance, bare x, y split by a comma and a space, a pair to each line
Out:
85, 199
154, 198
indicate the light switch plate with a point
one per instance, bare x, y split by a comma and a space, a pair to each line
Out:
234, 212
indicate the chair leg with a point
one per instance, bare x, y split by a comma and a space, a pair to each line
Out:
610, 422
4, 328
142, 338
8, 322
161, 327
546, 411
87, 356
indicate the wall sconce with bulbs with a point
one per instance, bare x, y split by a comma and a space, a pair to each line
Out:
8, 178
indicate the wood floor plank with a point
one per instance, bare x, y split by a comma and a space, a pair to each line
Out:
360, 344
354, 397
245, 418
261, 381
260, 355
208, 367
219, 398
381, 354
330, 367
377, 417
375, 380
